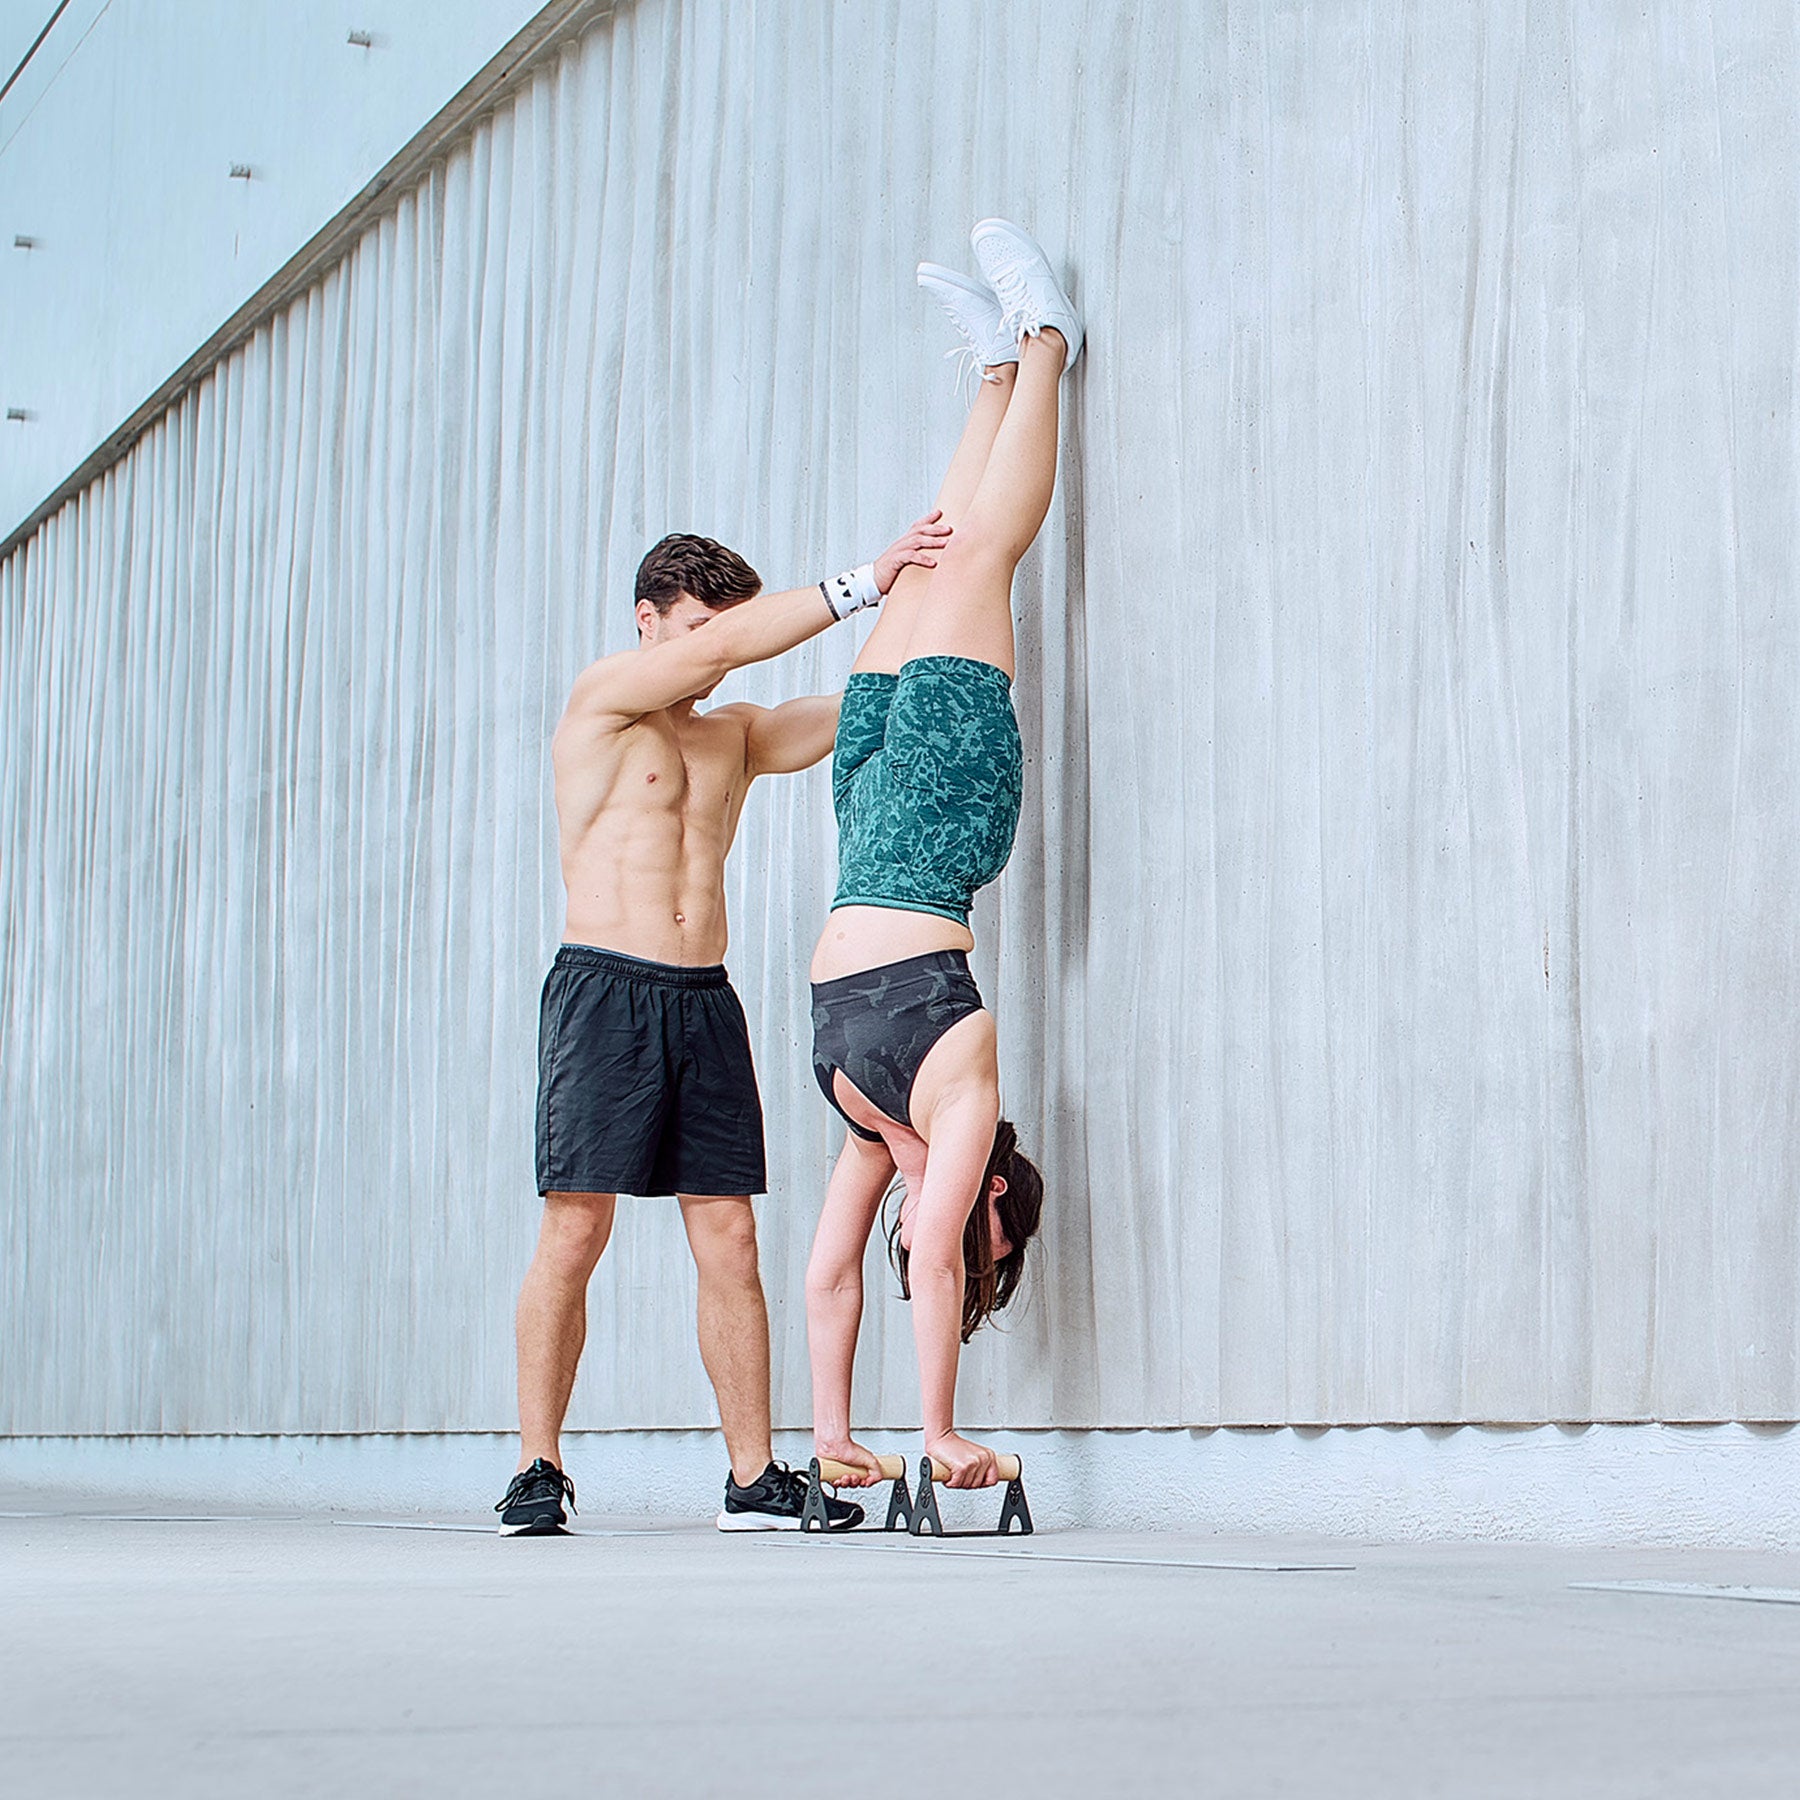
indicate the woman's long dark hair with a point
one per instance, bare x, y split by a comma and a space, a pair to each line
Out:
989, 1284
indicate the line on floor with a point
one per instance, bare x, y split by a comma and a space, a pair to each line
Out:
492, 1531
1155, 1562
1070, 1556
1694, 1590
187, 1518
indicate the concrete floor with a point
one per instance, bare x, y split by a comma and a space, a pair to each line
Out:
316, 1656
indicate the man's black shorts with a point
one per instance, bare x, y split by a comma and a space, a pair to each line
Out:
645, 1083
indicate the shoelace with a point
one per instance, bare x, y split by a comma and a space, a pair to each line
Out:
793, 1480
798, 1485
1014, 296
968, 363
1008, 283
777, 1473
528, 1479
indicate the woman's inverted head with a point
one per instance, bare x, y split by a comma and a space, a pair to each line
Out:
1001, 1225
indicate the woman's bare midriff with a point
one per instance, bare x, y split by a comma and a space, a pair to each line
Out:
856, 938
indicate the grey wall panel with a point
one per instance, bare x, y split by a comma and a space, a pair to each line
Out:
1397, 962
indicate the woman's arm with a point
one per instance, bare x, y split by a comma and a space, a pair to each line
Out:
962, 1138
834, 1292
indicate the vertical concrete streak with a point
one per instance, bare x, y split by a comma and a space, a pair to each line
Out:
1397, 966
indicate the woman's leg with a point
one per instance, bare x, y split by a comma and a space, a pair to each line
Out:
886, 649
966, 601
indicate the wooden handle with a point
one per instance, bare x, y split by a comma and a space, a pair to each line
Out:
830, 1469
1009, 1469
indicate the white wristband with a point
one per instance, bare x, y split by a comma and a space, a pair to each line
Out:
851, 591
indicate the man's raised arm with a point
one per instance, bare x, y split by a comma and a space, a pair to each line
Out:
785, 739
636, 682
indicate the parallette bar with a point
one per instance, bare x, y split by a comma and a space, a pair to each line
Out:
927, 1521
838, 1473
1009, 1468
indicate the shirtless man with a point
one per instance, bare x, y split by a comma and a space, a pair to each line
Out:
645, 1083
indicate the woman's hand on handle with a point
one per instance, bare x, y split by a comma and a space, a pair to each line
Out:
971, 1465
920, 544
853, 1456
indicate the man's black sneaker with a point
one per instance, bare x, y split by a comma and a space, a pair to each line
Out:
774, 1502
533, 1504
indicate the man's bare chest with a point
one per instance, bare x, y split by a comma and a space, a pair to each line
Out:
696, 771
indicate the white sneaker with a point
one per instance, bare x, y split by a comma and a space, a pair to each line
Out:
1030, 296
975, 313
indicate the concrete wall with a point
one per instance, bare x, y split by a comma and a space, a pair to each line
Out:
1588, 1484
116, 146
1397, 965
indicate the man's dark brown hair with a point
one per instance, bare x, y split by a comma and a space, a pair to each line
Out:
685, 564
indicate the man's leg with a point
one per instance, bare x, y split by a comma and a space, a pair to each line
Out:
552, 1318
734, 1325
966, 609
887, 649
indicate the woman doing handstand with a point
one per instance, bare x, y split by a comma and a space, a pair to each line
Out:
926, 779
